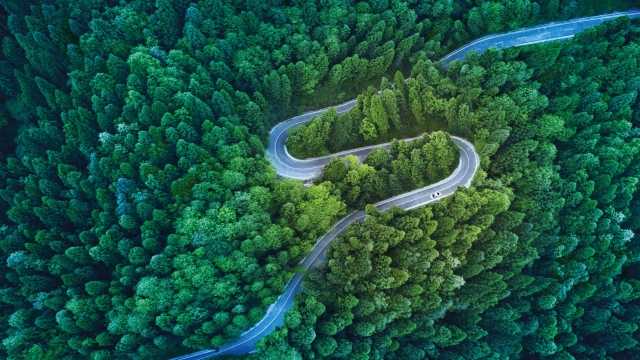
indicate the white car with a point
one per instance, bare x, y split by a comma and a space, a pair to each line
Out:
435, 195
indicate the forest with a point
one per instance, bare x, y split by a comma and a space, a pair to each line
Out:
403, 167
539, 259
139, 218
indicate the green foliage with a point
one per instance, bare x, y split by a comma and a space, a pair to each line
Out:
539, 257
139, 218
404, 166
393, 111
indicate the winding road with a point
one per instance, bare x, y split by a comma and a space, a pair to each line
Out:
309, 169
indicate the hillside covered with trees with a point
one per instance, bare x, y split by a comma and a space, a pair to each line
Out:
140, 219
403, 167
539, 259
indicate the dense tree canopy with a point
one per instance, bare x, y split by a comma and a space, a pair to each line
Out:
385, 172
538, 259
139, 218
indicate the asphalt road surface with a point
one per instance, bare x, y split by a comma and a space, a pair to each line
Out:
468, 164
309, 169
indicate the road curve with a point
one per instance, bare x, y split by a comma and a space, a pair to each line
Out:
308, 169
463, 174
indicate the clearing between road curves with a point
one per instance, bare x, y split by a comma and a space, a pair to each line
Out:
308, 169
